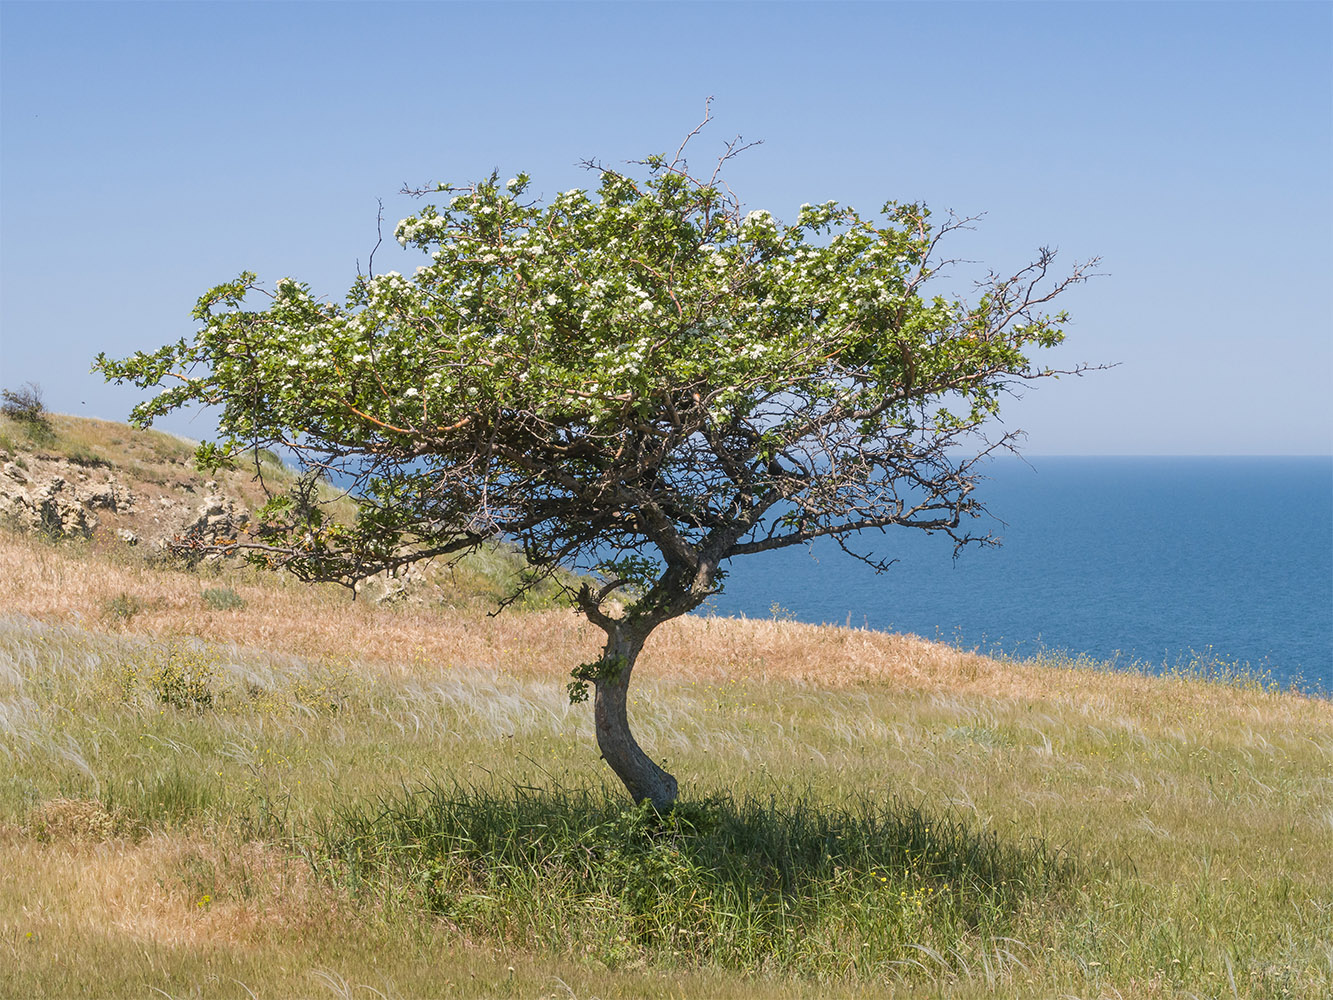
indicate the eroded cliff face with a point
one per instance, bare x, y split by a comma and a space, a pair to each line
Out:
63, 498
58, 497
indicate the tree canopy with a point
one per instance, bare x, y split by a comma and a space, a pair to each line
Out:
643, 381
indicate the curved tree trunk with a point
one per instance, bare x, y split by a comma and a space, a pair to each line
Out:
642, 777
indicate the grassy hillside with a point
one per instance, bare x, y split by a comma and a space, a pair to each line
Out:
108, 481
219, 783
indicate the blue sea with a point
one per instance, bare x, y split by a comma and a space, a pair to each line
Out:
1155, 561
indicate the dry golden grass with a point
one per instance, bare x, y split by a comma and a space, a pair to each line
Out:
68, 584
77, 585
173, 889
1199, 810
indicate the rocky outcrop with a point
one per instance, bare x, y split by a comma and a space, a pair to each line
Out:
217, 520
66, 500
118, 486
63, 502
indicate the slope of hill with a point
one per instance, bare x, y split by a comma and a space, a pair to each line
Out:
117, 488
220, 782
104, 481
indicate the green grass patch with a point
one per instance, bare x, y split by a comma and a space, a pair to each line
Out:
123, 607
222, 599
746, 884
88, 458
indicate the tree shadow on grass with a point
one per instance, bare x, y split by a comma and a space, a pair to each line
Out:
749, 883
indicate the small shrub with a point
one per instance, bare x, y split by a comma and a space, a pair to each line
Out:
125, 606
24, 405
184, 680
223, 599
176, 676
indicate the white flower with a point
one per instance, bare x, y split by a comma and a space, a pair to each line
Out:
411, 392
551, 299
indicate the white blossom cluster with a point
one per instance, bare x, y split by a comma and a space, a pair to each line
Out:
590, 302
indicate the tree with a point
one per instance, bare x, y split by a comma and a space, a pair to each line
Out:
642, 383
25, 405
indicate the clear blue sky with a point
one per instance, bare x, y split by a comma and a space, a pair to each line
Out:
153, 150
